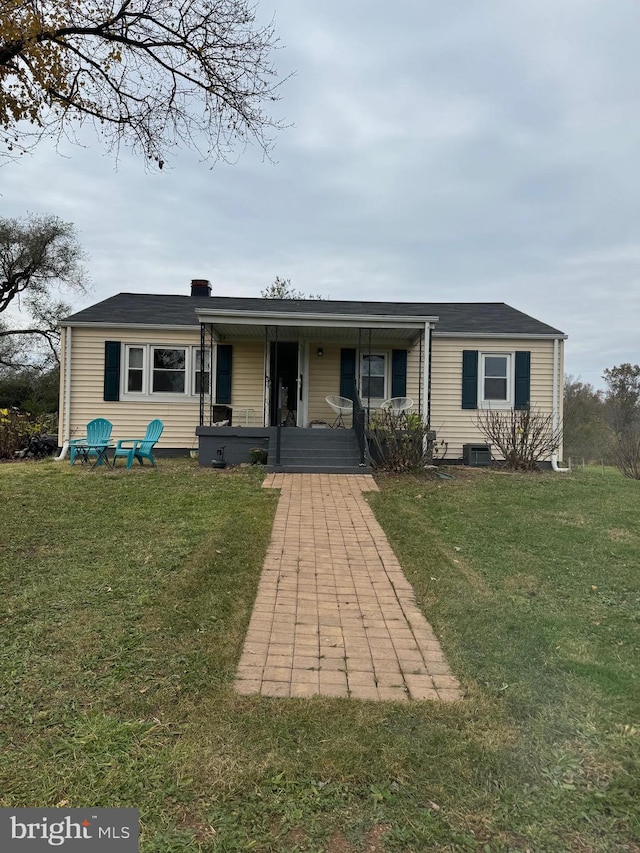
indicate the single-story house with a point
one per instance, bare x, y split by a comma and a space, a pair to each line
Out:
227, 371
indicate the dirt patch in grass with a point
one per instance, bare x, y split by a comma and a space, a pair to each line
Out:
522, 583
337, 843
374, 839
622, 534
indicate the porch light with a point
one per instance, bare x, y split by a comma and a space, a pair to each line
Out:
320, 352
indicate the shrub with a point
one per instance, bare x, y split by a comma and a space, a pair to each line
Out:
523, 437
626, 453
258, 456
17, 427
399, 442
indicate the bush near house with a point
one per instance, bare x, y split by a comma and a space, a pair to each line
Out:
524, 437
399, 441
16, 428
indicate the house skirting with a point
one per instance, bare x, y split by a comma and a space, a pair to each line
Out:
234, 442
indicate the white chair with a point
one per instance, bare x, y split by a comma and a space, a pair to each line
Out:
341, 406
397, 405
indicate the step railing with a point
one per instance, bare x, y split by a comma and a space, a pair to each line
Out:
360, 424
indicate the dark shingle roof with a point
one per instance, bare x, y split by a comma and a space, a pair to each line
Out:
159, 309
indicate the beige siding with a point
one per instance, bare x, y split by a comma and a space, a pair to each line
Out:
247, 383
129, 417
457, 426
181, 416
415, 378
324, 379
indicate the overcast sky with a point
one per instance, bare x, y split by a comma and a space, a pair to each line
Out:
467, 151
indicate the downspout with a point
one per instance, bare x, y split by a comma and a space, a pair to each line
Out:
420, 375
430, 359
556, 405
67, 396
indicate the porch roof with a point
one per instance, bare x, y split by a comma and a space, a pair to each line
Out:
317, 322
316, 332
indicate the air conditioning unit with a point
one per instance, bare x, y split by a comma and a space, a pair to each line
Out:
476, 455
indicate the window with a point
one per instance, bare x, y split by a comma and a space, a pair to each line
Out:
201, 379
169, 368
164, 371
495, 378
135, 369
372, 376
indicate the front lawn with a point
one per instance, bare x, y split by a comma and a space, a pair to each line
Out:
125, 596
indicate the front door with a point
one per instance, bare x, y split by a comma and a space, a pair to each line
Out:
284, 383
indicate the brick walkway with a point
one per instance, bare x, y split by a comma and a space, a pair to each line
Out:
334, 614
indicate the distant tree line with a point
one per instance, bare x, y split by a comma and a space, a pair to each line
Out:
605, 425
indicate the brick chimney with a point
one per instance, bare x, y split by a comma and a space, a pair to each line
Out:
200, 287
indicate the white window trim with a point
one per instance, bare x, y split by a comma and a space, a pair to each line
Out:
124, 392
147, 395
376, 402
195, 367
497, 404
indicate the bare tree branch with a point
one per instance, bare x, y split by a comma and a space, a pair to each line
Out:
150, 74
39, 258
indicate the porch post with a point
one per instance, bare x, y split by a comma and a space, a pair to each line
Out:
265, 402
369, 385
427, 372
202, 342
277, 400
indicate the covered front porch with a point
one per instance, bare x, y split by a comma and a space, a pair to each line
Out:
266, 373
278, 370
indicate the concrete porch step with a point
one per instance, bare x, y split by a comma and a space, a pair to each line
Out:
317, 451
302, 453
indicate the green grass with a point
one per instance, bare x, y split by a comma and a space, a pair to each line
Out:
125, 596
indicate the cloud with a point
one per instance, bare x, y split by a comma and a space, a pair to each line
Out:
437, 151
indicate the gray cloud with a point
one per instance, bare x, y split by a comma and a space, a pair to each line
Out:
438, 151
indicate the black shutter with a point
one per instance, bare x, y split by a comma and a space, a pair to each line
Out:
112, 370
523, 380
347, 372
223, 373
470, 379
399, 373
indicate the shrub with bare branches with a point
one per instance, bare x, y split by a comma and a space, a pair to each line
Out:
524, 437
626, 452
400, 442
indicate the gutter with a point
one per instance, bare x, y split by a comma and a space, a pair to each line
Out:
524, 336
313, 318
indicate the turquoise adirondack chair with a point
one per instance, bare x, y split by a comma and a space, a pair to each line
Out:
98, 432
140, 448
